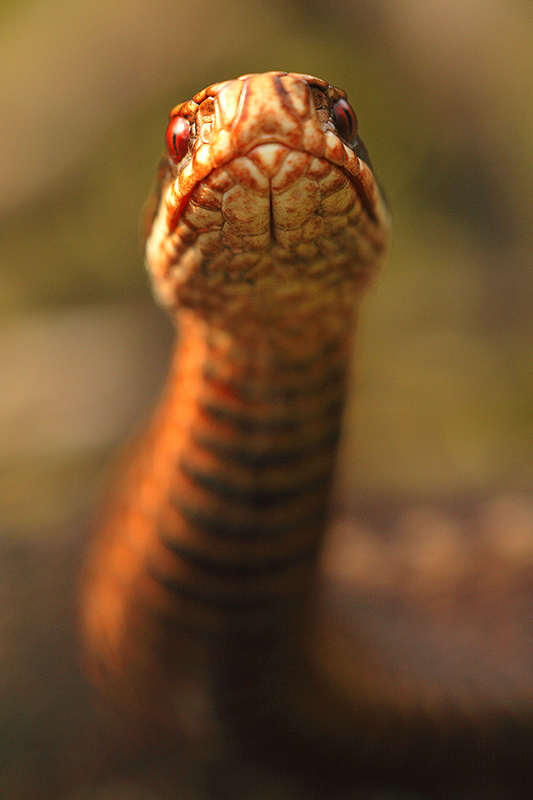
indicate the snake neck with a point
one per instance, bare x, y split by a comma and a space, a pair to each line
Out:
203, 568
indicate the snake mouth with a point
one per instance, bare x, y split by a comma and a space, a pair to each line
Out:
363, 182
264, 188
225, 122
362, 194
176, 216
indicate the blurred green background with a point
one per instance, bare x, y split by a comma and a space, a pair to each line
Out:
444, 95
442, 404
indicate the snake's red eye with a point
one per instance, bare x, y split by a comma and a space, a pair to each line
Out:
177, 138
345, 120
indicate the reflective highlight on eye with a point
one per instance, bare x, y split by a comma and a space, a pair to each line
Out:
177, 138
345, 121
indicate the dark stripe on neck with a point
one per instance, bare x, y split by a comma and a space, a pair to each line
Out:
256, 497
267, 459
248, 424
250, 390
224, 567
214, 524
246, 601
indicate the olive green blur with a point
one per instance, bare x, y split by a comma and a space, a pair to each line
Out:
443, 401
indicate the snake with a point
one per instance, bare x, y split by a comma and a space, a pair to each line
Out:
217, 605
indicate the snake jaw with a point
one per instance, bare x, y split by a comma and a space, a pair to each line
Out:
268, 188
233, 117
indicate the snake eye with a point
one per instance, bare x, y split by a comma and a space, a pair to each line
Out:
345, 121
177, 138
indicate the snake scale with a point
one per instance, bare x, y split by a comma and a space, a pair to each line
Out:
208, 614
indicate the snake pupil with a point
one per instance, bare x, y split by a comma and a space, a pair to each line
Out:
345, 120
177, 138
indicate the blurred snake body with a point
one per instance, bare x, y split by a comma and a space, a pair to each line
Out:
201, 607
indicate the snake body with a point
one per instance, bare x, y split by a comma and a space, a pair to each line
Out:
201, 609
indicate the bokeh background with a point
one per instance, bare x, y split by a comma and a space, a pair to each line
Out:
444, 96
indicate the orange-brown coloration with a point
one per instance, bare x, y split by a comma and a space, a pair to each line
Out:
200, 608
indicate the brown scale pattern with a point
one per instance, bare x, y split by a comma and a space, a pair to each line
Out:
208, 614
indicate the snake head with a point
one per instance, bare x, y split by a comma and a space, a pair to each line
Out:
265, 188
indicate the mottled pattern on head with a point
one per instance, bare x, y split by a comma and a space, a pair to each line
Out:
270, 217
